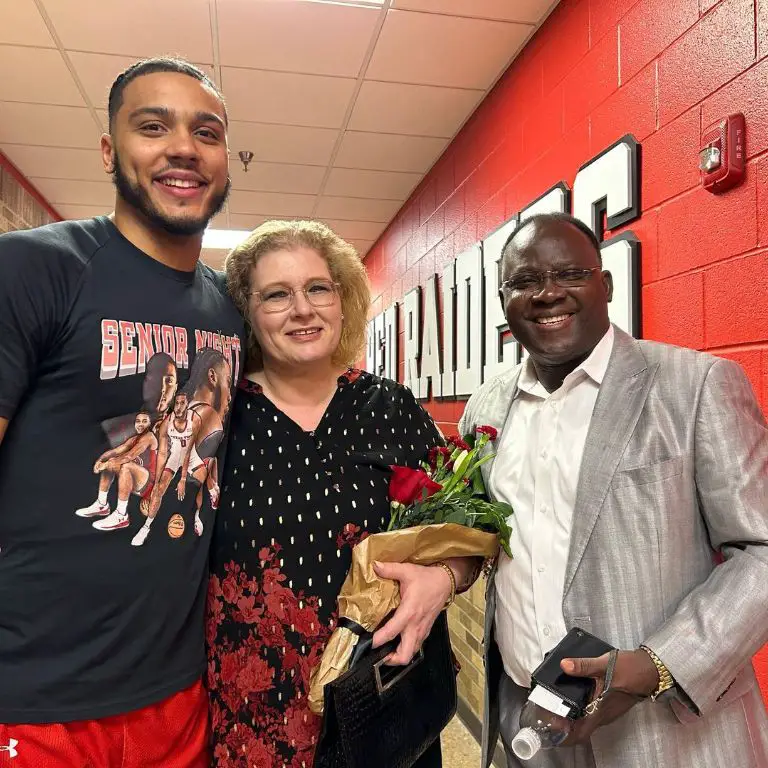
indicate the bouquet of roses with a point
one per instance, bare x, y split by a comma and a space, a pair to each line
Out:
449, 488
438, 511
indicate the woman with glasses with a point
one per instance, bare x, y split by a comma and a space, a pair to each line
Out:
311, 443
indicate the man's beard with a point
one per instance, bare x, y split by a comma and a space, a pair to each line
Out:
137, 197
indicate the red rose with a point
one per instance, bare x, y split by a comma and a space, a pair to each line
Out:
407, 485
457, 442
438, 450
490, 431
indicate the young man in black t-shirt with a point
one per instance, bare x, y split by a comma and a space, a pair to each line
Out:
105, 324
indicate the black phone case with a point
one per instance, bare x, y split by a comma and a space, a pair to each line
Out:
574, 691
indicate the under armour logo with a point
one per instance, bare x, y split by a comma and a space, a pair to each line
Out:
11, 748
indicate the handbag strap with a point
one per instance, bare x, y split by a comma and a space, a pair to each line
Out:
352, 626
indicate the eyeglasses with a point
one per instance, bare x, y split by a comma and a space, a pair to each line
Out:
531, 282
319, 293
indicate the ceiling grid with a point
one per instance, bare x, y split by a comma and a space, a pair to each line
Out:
346, 104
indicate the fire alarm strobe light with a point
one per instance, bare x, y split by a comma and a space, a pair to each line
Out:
722, 159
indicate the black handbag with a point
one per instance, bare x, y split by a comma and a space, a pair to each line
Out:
377, 716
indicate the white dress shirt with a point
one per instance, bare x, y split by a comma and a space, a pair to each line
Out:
536, 470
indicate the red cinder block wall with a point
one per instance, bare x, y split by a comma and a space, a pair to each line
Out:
597, 69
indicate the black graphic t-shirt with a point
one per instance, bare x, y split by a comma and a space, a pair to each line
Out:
116, 374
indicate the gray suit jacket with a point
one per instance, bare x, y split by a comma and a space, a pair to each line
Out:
674, 467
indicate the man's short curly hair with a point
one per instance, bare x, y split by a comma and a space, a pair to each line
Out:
345, 267
138, 69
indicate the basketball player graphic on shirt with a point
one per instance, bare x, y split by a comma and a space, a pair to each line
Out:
210, 382
161, 381
177, 437
133, 463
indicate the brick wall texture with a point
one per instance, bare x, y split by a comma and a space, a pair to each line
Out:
596, 70
18, 209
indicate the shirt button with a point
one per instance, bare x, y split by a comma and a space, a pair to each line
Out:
542, 568
545, 631
543, 453
544, 510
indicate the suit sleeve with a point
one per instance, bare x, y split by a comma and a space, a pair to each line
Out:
35, 288
722, 623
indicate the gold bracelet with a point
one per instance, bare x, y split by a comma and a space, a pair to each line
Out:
666, 681
447, 568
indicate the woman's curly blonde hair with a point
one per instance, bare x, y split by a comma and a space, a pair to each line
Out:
345, 267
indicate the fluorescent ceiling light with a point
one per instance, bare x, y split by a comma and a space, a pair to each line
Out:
224, 239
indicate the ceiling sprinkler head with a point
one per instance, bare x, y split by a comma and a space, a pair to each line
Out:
245, 157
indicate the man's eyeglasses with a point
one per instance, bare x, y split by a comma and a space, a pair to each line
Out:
531, 282
319, 293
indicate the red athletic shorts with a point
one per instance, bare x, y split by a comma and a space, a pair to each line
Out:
170, 734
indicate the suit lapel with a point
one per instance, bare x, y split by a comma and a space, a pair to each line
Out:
620, 401
496, 416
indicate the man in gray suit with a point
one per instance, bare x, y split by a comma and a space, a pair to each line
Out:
630, 465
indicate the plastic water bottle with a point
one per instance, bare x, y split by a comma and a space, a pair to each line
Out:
540, 726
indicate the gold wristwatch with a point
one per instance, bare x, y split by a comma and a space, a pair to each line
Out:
666, 681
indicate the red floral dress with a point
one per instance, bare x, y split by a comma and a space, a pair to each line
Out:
293, 505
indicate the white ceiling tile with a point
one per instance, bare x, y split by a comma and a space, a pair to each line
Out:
502, 10
103, 116
39, 76
276, 177
55, 163
37, 124
271, 204
429, 49
283, 143
289, 73
381, 185
22, 24
245, 222
355, 230
63, 191
97, 71
220, 220
384, 152
143, 28
309, 37
357, 208
419, 110
71, 211
279, 97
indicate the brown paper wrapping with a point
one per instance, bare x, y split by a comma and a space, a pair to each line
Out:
367, 599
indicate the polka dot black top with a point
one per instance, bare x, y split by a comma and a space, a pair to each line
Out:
293, 505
